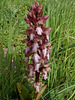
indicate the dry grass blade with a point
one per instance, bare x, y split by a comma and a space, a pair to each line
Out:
41, 92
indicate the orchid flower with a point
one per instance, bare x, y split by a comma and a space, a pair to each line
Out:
38, 45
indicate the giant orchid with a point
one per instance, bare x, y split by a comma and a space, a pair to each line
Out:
38, 46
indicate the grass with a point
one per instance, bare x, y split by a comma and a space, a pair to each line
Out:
61, 79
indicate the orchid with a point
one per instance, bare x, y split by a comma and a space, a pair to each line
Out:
38, 46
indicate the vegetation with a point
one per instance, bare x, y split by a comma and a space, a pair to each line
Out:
61, 79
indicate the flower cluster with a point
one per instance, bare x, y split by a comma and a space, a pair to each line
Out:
38, 45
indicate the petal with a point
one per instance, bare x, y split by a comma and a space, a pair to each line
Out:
36, 58
47, 64
31, 16
44, 52
44, 73
37, 66
37, 89
35, 46
45, 76
47, 36
28, 21
40, 7
39, 30
47, 30
43, 46
48, 44
49, 50
48, 69
34, 6
30, 72
37, 86
48, 56
31, 36
44, 18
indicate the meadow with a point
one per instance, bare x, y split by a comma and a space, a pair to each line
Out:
61, 79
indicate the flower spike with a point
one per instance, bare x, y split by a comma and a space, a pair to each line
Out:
38, 46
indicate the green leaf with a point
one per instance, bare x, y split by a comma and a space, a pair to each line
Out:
23, 92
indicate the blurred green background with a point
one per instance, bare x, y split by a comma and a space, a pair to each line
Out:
61, 79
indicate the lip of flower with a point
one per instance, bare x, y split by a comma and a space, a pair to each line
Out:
36, 58
44, 72
32, 36
37, 66
47, 37
45, 75
44, 52
35, 46
39, 30
47, 56
37, 86
31, 72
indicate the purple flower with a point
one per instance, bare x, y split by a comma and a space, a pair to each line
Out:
32, 36
35, 47
31, 72
38, 45
44, 52
44, 71
39, 30
47, 37
37, 86
37, 66
36, 58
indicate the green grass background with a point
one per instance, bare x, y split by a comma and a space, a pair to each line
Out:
61, 79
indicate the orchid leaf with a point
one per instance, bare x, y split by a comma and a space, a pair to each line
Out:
23, 92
